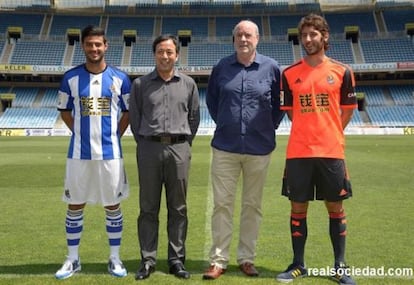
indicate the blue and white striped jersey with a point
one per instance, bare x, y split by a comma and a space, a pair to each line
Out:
96, 102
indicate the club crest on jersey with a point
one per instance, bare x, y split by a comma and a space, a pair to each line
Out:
113, 89
330, 79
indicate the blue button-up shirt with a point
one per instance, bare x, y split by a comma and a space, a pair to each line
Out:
244, 103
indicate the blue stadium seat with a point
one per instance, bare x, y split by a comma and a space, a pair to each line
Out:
205, 119
395, 20
391, 116
356, 120
402, 94
31, 23
142, 55
2, 43
197, 25
38, 52
279, 25
28, 118
374, 95
208, 54
341, 50
387, 50
50, 98
282, 52
365, 21
61, 23
25, 96
143, 25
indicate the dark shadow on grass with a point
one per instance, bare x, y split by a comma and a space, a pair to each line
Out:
92, 268
313, 277
193, 266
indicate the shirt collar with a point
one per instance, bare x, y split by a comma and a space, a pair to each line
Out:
258, 59
154, 74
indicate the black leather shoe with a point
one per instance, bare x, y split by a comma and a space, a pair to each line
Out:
144, 271
179, 271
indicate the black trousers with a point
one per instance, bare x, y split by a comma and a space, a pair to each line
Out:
163, 166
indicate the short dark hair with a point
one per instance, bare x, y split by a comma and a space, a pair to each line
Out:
166, 37
92, 30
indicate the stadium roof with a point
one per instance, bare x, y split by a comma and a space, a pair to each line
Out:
81, 4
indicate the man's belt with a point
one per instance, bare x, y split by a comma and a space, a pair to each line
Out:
166, 139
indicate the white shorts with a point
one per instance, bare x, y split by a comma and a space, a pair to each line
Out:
95, 182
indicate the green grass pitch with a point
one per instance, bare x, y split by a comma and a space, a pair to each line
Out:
32, 238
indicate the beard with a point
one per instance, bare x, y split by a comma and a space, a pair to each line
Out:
314, 48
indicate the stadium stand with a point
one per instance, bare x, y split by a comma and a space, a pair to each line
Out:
402, 95
38, 52
25, 96
338, 21
374, 95
205, 119
281, 51
49, 99
2, 42
391, 116
197, 25
207, 54
60, 23
382, 38
142, 55
396, 19
28, 118
31, 23
144, 26
280, 24
387, 50
342, 50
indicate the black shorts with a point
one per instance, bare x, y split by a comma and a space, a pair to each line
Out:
305, 179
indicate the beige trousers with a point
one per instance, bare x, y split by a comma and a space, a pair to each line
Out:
226, 168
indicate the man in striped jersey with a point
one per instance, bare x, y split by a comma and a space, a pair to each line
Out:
93, 101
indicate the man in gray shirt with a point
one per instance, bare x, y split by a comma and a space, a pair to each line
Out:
164, 118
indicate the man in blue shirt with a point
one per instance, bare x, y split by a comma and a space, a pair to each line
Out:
243, 100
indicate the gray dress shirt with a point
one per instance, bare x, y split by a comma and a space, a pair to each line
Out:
159, 107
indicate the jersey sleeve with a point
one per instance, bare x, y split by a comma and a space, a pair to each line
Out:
286, 98
65, 100
348, 95
125, 93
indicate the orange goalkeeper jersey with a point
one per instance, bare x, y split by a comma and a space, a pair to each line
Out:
316, 95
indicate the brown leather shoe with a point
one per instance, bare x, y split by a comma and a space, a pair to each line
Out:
249, 269
213, 272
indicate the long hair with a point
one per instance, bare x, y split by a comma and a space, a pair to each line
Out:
316, 21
